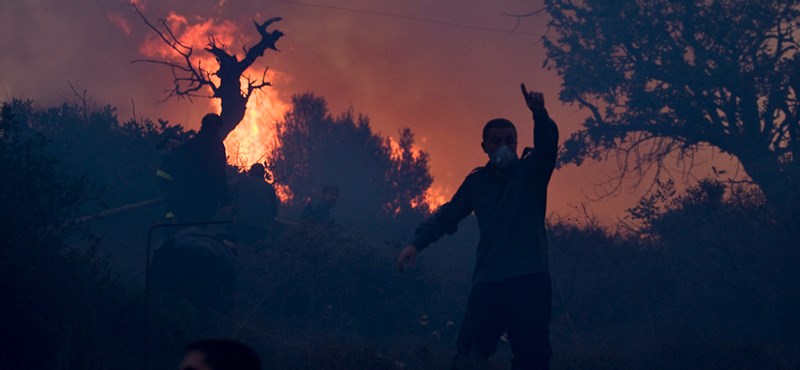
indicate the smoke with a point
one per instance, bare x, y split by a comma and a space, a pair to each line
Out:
442, 81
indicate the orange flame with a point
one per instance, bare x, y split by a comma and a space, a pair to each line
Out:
196, 35
254, 136
435, 196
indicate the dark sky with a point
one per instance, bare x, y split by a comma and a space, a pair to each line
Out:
442, 68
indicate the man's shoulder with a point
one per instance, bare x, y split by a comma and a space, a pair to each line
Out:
475, 175
477, 171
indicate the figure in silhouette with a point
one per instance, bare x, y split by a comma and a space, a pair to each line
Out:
511, 284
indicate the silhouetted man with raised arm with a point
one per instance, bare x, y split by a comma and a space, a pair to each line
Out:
511, 284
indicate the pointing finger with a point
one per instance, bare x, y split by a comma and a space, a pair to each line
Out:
524, 91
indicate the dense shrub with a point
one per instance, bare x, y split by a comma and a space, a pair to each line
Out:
60, 308
705, 279
322, 284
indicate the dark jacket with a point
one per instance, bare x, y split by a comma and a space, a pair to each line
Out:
510, 207
316, 212
256, 201
199, 185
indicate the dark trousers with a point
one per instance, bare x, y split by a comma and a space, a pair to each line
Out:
520, 306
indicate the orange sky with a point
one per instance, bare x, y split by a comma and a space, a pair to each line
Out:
441, 80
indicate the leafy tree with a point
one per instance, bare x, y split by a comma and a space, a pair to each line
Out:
664, 78
66, 304
652, 206
45, 313
116, 158
408, 175
314, 148
36, 198
709, 278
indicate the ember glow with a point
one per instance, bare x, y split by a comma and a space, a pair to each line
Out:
196, 35
254, 136
435, 196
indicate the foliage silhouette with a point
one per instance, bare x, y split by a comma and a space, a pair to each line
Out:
709, 286
662, 79
381, 190
61, 309
711, 272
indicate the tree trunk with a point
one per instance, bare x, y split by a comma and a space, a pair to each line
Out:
233, 109
780, 188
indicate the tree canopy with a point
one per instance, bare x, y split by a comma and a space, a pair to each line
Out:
315, 148
663, 78
90, 142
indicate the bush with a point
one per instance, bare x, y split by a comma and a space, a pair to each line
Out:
60, 307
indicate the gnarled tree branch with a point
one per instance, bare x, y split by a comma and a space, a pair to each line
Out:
190, 78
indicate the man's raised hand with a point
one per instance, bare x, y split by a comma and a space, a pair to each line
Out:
534, 99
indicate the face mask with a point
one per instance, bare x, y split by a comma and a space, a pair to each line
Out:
503, 157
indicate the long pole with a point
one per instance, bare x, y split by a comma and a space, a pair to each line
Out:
113, 211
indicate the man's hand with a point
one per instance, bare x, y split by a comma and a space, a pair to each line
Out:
534, 99
406, 258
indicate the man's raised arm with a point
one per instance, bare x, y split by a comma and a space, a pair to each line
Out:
545, 132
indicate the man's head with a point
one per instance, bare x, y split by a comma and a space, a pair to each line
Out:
497, 133
211, 123
219, 354
330, 194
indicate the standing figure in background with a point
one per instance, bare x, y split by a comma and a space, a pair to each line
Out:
256, 205
511, 284
198, 186
318, 212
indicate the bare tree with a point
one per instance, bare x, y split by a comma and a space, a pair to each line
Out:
192, 79
663, 78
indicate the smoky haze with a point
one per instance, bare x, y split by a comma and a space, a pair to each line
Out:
441, 80
701, 275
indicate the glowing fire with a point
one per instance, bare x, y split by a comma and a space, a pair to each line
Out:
435, 195
193, 35
254, 136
